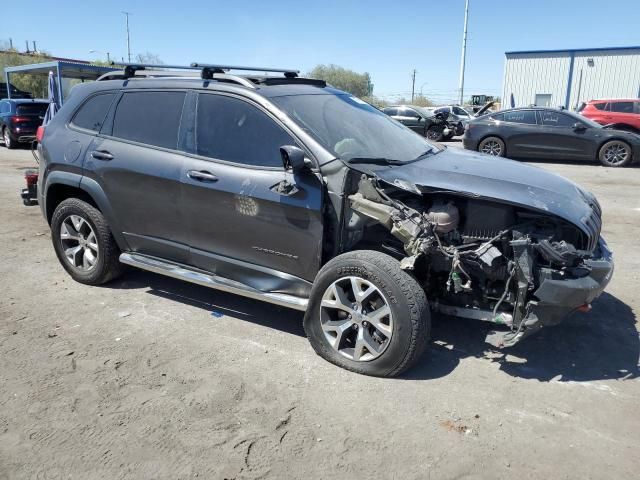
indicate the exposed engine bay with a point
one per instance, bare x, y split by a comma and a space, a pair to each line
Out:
475, 258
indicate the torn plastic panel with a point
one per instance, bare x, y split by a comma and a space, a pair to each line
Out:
482, 260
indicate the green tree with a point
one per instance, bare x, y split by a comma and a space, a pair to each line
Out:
358, 84
148, 58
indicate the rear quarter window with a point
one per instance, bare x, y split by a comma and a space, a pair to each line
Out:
92, 113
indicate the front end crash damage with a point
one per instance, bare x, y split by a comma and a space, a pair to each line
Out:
478, 258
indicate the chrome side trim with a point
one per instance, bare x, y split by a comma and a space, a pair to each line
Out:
501, 318
182, 272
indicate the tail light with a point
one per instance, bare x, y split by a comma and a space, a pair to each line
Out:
40, 133
18, 119
31, 177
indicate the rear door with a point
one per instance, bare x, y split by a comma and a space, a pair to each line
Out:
137, 163
559, 139
520, 130
241, 226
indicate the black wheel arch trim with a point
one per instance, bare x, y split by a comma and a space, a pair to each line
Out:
93, 190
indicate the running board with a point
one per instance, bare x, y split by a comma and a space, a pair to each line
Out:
182, 272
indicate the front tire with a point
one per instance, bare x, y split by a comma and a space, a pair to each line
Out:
615, 153
84, 244
434, 134
367, 315
492, 146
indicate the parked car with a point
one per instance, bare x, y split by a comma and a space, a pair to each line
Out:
537, 132
288, 191
19, 120
15, 92
426, 121
619, 113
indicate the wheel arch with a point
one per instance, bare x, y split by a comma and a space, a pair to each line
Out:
63, 185
611, 139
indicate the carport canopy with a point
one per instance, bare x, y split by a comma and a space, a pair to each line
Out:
61, 69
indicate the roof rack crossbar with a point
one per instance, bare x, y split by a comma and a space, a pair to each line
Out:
130, 69
208, 68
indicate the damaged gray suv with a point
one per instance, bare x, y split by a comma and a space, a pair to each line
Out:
288, 191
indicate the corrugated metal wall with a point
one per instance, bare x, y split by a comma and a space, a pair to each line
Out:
614, 74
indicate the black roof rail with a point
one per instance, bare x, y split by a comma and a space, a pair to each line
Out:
209, 69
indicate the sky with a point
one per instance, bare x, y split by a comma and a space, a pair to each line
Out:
388, 39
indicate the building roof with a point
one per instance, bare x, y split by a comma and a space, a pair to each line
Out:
83, 71
574, 50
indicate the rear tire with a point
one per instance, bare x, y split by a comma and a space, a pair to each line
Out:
8, 141
492, 146
367, 315
615, 153
84, 244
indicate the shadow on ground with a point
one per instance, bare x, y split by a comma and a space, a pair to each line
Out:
215, 302
602, 344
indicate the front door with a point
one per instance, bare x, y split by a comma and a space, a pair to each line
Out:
559, 139
242, 226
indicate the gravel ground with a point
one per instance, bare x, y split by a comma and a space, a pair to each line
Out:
149, 377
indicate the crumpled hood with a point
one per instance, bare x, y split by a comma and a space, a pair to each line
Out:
478, 175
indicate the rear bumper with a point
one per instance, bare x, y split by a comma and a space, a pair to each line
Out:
469, 143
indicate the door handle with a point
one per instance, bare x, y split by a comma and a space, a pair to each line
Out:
101, 155
202, 176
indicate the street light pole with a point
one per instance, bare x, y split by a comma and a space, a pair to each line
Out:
128, 38
413, 84
464, 51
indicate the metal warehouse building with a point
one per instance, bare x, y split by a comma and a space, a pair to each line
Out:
570, 77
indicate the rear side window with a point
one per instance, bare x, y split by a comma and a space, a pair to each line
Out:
152, 118
600, 106
233, 130
555, 119
31, 109
92, 113
622, 107
521, 116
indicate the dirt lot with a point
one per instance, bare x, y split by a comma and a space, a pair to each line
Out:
152, 378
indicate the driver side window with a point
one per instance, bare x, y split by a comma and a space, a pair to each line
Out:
233, 130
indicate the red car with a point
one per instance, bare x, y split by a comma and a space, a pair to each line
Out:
621, 114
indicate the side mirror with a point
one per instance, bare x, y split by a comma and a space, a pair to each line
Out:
579, 127
293, 158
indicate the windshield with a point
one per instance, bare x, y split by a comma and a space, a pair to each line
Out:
352, 129
583, 119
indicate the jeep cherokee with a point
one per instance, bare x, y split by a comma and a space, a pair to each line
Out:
286, 190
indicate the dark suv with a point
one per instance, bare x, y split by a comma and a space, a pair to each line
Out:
288, 191
20, 119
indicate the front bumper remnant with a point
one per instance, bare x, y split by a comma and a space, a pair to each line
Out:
557, 298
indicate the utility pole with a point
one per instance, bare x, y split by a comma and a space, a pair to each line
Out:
128, 39
413, 84
464, 51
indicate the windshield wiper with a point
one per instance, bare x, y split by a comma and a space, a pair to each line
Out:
376, 160
423, 154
